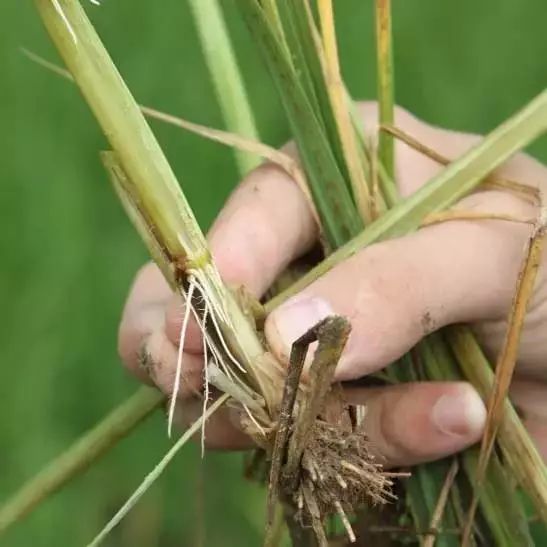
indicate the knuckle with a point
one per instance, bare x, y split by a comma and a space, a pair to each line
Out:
395, 449
381, 427
250, 250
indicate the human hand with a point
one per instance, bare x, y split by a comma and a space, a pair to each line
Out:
394, 293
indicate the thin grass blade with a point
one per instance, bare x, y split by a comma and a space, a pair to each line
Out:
226, 75
80, 456
157, 471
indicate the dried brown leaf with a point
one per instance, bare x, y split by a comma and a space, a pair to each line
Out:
444, 216
497, 183
507, 359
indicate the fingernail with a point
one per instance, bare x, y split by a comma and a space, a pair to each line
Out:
462, 414
293, 319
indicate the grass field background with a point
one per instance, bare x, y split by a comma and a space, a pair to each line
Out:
68, 254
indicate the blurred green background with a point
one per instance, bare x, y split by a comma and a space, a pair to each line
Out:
68, 253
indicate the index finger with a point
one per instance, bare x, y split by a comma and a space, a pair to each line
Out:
265, 225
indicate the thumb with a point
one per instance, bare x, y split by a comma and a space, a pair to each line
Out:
397, 291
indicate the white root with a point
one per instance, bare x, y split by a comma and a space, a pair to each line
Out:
184, 327
209, 303
345, 522
206, 379
254, 420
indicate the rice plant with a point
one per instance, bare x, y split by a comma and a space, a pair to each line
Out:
315, 460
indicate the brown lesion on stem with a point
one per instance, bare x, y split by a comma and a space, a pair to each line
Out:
320, 463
